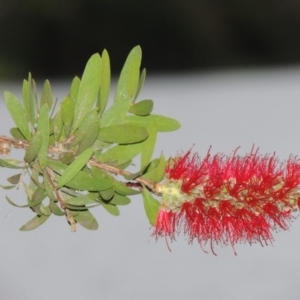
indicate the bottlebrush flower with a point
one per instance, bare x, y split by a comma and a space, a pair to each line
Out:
228, 199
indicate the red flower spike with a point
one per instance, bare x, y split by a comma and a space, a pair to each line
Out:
228, 199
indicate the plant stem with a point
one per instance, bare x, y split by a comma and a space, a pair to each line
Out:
6, 143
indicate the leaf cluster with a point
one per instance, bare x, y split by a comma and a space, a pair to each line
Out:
73, 152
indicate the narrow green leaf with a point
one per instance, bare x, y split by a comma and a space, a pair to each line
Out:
79, 162
28, 100
67, 114
45, 210
126, 88
111, 208
88, 90
129, 77
135, 175
141, 83
142, 108
164, 124
7, 187
84, 127
67, 158
17, 113
86, 220
10, 163
43, 128
120, 154
151, 206
30, 190
120, 200
57, 125
46, 97
107, 194
16, 133
15, 179
74, 88
122, 189
33, 147
34, 223
82, 181
89, 138
148, 145
78, 201
123, 134
104, 83
156, 171
101, 175
38, 195
48, 188
116, 113
31, 204
33, 96
56, 210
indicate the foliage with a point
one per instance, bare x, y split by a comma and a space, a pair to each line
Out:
74, 152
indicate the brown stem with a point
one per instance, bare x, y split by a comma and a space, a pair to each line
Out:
59, 149
60, 199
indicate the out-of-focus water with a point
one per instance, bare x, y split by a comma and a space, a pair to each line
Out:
121, 260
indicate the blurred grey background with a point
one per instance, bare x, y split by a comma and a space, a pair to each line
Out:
229, 74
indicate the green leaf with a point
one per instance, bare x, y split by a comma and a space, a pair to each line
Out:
156, 171
16, 133
148, 145
104, 83
84, 127
10, 163
88, 90
48, 187
28, 99
123, 134
31, 204
142, 108
151, 206
122, 189
126, 88
74, 88
7, 187
34, 223
73, 169
45, 210
67, 158
107, 194
129, 77
82, 181
38, 195
30, 190
120, 200
89, 138
164, 124
17, 113
86, 220
47, 97
43, 128
56, 210
15, 179
141, 83
33, 147
78, 201
134, 175
120, 154
57, 125
67, 114
111, 208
